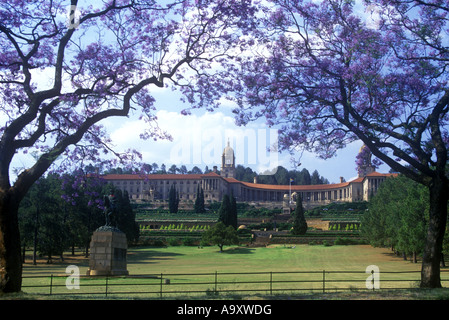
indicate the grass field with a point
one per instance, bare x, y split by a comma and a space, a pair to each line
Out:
268, 270
272, 258
182, 259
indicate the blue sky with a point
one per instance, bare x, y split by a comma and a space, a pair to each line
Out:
199, 139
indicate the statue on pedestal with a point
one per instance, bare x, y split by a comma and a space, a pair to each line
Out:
109, 207
108, 246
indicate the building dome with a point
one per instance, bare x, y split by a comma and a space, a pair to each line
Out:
228, 162
228, 155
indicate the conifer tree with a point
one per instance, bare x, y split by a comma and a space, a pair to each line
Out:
228, 211
299, 221
173, 200
233, 212
224, 212
199, 201
202, 207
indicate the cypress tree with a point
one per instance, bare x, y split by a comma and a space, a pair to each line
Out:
202, 207
199, 201
299, 221
233, 212
128, 217
173, 200
228, 211
224, 213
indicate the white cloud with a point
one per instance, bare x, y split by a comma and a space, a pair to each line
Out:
199, 140
183, 129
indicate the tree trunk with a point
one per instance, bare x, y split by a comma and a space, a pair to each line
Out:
430, 271
87, 249
23, 253
36, 227
10, 251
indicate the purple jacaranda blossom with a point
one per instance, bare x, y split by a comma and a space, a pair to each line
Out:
332, 72
64, 69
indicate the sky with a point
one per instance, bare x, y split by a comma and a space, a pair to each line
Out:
199, 140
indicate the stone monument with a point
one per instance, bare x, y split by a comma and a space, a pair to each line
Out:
108, 247
286, 208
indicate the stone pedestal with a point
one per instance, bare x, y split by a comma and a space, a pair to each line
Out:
286, 204
108, 249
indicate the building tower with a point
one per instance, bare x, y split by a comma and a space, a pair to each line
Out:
364, 163
228, 162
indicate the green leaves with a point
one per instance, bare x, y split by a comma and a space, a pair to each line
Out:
398, 215
221, 235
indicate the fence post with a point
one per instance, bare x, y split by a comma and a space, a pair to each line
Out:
161, 286
271, 283
324, 281
216, 280
372, 278
106, 289
51, 283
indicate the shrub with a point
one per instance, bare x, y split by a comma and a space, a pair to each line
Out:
327, 243
158, 243
173, 241
188, 241
346, 241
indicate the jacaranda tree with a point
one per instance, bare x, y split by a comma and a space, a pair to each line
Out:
331, 72
66, 66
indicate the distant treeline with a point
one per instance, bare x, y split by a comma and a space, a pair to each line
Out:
281, 177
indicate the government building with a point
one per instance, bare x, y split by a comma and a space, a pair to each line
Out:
215, 184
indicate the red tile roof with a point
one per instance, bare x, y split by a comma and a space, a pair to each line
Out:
319, 187
316, 187
378, 174
160, 176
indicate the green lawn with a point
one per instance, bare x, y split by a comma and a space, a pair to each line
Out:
181, 259
269, 270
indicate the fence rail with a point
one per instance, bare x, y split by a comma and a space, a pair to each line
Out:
169, 285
